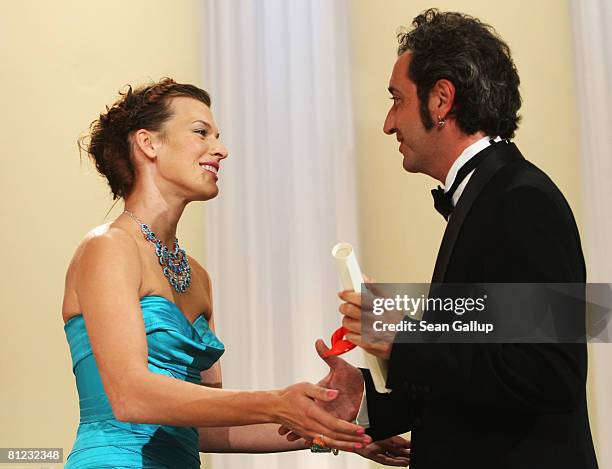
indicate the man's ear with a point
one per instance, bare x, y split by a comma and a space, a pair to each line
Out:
147, 142
441, 99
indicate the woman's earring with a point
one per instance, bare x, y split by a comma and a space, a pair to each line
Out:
441, 122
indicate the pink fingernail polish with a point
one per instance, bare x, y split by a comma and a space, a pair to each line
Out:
332, 393
358, 446
361, 431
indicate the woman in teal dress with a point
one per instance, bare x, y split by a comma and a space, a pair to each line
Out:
138, 310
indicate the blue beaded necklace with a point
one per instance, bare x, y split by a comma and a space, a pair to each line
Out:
175, 264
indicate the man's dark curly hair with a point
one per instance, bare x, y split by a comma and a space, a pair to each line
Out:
470, 54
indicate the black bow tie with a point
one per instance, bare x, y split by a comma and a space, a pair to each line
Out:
443, 201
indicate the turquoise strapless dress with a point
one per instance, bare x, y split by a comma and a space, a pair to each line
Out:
176, 348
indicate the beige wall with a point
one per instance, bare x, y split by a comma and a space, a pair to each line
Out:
61, 62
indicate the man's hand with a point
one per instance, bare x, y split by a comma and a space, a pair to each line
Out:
394, 451
344, 377
352, 321
347, 379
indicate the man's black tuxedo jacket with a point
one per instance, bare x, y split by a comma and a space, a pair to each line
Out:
495, 406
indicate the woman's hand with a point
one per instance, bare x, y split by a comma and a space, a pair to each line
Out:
299, 413
342, 376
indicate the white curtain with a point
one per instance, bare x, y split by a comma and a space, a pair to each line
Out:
279, 76
592, 38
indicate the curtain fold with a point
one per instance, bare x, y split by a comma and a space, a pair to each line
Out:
279, 76
592, 41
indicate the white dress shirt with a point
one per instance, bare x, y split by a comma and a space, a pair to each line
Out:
466, 155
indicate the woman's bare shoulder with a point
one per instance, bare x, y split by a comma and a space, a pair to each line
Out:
107, 236
97, 243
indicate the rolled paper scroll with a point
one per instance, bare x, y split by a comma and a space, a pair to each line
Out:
351, 279
348, 268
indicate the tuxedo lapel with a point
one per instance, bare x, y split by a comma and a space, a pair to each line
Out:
500, 154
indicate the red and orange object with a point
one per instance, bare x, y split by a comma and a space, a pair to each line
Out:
339, 343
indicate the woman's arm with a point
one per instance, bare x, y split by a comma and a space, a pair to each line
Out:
262, 438
109, 281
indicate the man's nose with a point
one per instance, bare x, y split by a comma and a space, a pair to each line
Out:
389, 125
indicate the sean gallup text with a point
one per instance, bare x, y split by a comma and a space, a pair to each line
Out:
424, 326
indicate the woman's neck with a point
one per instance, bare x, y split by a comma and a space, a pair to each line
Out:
161, 215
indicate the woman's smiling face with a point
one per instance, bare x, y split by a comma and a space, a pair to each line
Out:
189, 151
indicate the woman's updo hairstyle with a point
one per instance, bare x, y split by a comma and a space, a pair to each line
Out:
146, 107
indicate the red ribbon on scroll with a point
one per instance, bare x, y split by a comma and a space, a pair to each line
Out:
339, 344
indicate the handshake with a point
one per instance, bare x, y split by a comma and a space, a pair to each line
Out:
323, 421
321, 415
